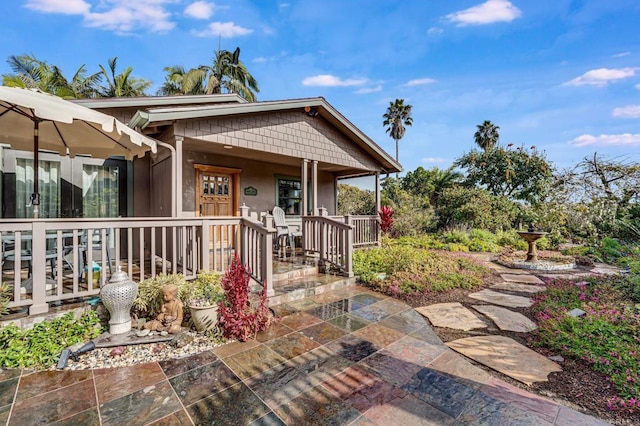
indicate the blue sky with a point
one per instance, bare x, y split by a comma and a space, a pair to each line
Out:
562, 75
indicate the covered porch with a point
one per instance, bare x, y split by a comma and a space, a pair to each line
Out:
48, 262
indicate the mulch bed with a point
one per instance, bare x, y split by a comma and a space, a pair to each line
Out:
576, 386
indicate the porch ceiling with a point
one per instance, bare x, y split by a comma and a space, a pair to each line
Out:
214, 148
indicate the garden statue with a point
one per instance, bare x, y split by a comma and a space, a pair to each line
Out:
170, 317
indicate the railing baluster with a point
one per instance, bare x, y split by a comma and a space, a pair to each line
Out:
141, 252
152, 251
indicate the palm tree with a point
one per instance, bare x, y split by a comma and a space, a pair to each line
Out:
123, 84
179, 81
33, 73
487, 135
397, 116
443, 179
226, 74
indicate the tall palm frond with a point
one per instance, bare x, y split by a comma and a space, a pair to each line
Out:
398, 116
487, 135
123, 84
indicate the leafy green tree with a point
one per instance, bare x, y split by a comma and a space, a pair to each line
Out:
429, 184
601, 197
353, 200
412, 214
519, 174
123, 84
487, 135
398, 116
32, 73
461, 207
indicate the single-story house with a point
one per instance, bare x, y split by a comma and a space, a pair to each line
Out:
219, 157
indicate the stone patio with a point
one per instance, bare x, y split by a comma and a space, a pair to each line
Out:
346, 356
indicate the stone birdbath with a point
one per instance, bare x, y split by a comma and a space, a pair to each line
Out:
531, 237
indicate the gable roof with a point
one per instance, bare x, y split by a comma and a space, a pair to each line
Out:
145, 117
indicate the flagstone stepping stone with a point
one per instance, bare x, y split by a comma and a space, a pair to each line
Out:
518, 287
502, 299
451, 315
506, 356
505, 319
604, 269
527, 279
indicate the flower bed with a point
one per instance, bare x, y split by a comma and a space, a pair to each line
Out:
607, 337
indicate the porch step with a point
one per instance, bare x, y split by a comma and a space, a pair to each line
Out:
307, 286
283, 271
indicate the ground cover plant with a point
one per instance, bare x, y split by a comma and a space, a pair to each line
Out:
41, 345
405, 268
607, 337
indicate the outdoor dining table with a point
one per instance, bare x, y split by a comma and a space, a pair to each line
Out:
26, 255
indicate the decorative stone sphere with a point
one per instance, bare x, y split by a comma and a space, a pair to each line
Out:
117, 296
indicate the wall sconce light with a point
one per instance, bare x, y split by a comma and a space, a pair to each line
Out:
311, 112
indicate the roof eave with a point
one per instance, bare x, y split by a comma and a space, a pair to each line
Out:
143, 118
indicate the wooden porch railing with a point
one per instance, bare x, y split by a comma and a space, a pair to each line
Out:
49, 260
331, 238
366, 229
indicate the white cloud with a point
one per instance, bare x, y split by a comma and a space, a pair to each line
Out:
419, 82
625, 139
630, 111
366, 90
224, 29
120, 16
124, 16
200, 10
66, 7
637, 86
602, 76
327, 80
434, 160
259, 60
488, 12
435, 31
621, 54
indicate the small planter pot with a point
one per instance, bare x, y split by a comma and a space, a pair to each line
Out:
204, 317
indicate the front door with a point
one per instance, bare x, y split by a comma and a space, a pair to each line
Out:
217, 191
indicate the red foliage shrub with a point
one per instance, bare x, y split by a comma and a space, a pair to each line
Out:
237, 318
386, 219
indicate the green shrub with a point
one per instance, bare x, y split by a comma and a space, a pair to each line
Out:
41, 345
484, 235
459, 237
403, 270
511, 238
5, 298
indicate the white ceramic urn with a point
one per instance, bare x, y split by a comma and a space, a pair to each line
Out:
118, 296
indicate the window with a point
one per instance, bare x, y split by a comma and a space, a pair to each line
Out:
48, 187
100, 195
289, 196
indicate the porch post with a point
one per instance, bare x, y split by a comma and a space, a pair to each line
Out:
378, 207
314, 187
179, 177
38, 274
377, 192
348, 261
303, 183
267, 257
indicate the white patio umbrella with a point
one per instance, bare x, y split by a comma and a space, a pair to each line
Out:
33, 121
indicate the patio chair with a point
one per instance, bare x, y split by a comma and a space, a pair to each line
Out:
284, 231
